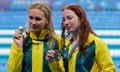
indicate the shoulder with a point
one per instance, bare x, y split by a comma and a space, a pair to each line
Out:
98, 41
100, 46
57, 37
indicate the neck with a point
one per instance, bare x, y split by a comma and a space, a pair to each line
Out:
75, 38
37, 34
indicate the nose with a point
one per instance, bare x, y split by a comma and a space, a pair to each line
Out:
65, 22
33, 21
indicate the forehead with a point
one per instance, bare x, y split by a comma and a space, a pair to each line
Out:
68, 12
36, 12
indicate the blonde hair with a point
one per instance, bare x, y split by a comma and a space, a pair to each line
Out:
44, 7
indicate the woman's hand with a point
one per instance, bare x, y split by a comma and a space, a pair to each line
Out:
53, 55
50, 55
18, 38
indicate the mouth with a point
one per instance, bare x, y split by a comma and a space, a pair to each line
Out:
67, 27
35, 26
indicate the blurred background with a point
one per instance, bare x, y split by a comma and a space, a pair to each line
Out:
103, 15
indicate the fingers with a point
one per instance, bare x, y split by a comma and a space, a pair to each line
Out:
50, 55
53, 55
18, 39
18, 34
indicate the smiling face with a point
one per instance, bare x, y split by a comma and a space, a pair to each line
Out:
70, 21
36, 20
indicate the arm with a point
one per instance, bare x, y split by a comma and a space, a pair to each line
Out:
103, 57
57, 65
15, 59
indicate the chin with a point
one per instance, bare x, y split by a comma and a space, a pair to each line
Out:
33, 30
68, 31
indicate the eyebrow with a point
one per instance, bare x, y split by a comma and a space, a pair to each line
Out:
36, 18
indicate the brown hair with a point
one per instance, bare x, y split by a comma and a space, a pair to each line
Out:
44, 7
84, 28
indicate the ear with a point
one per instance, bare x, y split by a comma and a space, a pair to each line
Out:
46, 26
46, 21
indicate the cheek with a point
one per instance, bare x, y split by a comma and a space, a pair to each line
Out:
42, 24
29, 22
76, 25
77, 22
63, 24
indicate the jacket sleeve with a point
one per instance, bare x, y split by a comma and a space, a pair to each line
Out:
58, 66
15, 59
103, 57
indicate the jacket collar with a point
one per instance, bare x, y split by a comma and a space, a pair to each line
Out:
42, 34
91, 37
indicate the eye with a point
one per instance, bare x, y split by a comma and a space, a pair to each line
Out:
31, 17
69, 17
38, 18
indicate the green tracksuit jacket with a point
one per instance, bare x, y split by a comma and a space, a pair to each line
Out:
31, 58
96, 59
